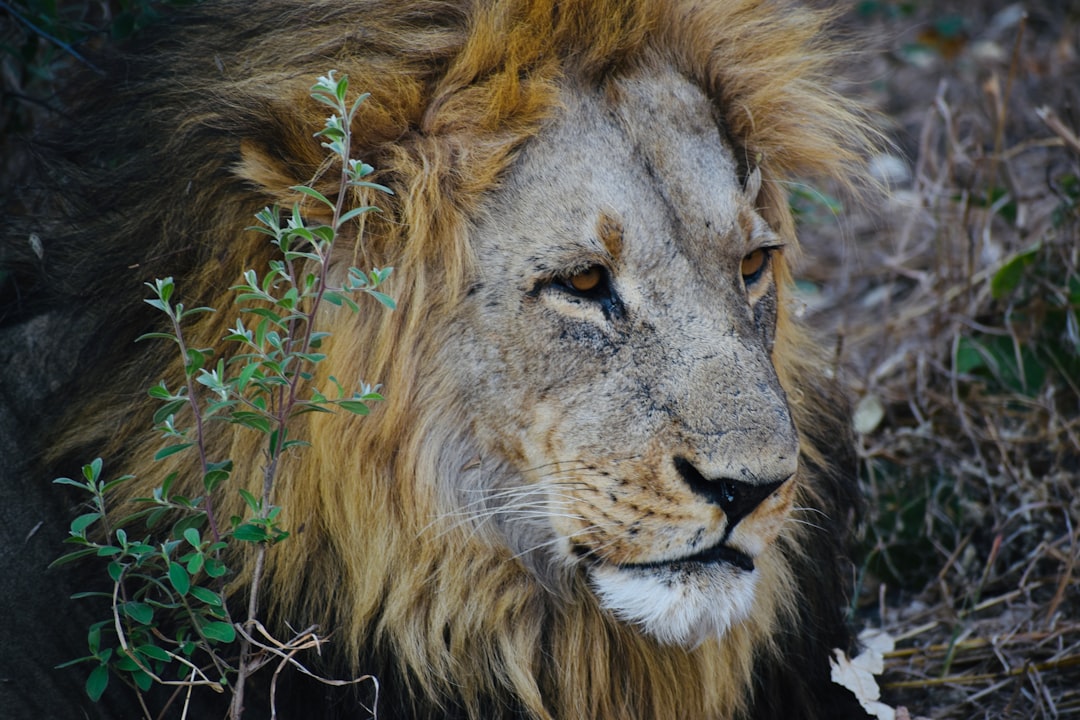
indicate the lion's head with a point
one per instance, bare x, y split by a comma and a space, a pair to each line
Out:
587, 492
614, 351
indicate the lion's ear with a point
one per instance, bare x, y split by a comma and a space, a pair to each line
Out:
752, 186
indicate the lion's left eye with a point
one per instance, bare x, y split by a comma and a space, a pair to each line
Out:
754, 265
591, 282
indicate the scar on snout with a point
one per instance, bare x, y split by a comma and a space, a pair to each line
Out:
610, 232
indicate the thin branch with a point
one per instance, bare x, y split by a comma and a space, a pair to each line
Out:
51, 38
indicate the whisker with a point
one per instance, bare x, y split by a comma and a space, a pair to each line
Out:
808, 509
806, 523
555, 541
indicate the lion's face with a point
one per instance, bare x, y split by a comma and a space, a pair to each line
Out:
615, 347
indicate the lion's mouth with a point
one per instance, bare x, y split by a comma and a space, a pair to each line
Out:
719, 553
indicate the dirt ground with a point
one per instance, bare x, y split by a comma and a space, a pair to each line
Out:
952, 303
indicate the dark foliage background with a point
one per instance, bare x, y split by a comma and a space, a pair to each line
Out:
954, 306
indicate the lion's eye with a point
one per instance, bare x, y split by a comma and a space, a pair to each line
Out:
591, 282
754, 265
587, 280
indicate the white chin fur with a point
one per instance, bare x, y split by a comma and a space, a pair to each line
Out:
677, 606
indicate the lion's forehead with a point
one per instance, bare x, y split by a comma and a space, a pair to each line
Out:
646, 152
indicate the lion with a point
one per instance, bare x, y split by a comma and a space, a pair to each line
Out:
612, 477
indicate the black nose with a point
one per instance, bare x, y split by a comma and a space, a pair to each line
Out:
737, 498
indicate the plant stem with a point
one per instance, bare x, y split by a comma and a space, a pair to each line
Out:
199, 434
286, 402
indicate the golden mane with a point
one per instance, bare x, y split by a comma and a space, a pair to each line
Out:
457, 89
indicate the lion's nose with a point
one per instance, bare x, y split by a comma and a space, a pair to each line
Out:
737, 498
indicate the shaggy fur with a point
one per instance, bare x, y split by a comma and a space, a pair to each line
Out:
209, 120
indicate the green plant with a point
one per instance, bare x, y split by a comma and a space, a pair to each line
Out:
170, 620
1034, 337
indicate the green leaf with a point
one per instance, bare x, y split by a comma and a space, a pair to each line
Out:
155, 517
312, 192
325, 100
337, 299
196, 311
69, 481
347, 216
192, 536
358, 102
384, 299
1012, 367
153, 652
97, 682
251, 420
195, 361
354, 406
118, 481
214, 568
166, 486
138, 611
92, 471
79, 524
73, 556
264, 313
250, 533
220, 631
170, 408
206, 596
143, 681
214, 478
326, 234
371, 186
81, 595
195, 564
179, 578
967, 357
252, 502
125, 662
115, 570
1008, 277
155, 335
171, 450
93, 638
245, 376
192, 521
76, 661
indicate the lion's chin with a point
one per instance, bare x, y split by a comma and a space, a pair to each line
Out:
680, 604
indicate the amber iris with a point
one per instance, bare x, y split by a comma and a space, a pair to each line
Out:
587, 279
753, 265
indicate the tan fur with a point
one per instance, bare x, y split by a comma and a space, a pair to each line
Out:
381, 554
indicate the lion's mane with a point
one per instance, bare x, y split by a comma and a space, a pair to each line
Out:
209, 120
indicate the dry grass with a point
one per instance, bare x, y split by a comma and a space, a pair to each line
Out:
954, 309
